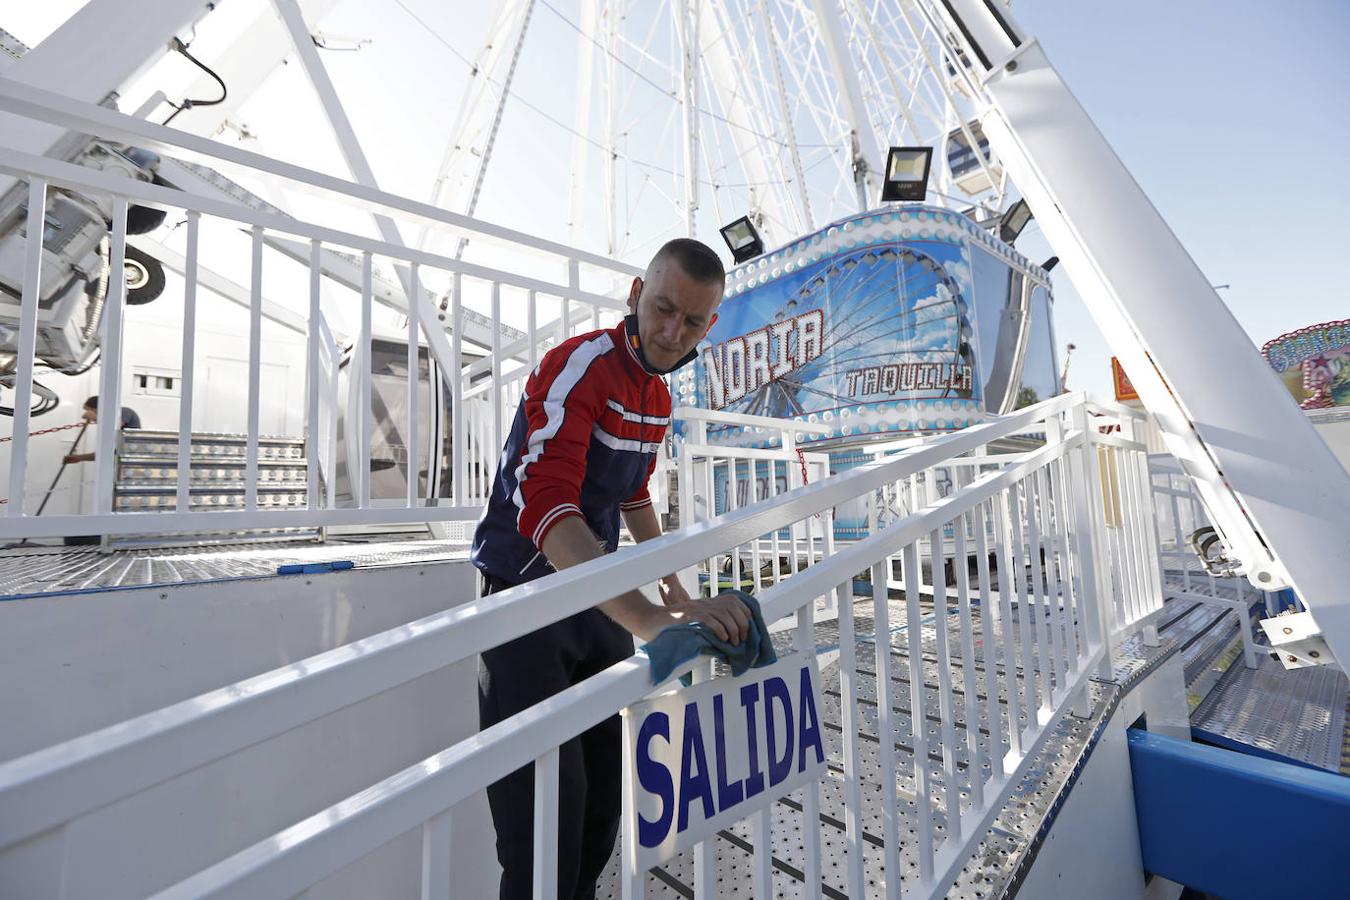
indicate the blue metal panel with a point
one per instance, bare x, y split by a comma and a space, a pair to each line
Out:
1191, 800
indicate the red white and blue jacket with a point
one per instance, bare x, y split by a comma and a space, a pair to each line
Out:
583, 443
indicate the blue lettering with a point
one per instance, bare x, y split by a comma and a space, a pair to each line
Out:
655, 779
694, 786
728, 795
754, 783
810, 733
779, 766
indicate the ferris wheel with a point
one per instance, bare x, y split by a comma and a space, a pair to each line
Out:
691, 113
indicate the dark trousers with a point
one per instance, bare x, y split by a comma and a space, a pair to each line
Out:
514, 677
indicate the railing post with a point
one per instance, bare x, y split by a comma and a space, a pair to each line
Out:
495, 394
26, 347
110, 378
364, 414
459, 449
545, 868
1087, 496
183, 501
312, 375
436, 858
414, 374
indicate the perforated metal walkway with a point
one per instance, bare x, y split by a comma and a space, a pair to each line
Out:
39, 571
1001, 858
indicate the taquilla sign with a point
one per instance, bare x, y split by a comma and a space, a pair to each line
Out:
700, 758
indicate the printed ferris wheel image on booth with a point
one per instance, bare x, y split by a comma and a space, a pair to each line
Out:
874, 346
870, 326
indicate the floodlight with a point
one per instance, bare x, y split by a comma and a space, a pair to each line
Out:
1050, 263
1013, 221
907, 171
743, 239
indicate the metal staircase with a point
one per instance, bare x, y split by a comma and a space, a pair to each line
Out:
147, 481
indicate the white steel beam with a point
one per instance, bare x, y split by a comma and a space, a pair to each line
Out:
44, 105
785, 113
866, 153
485, 154
257, 52
576, 185
355, 157
686, 14
1274, 489
82, 60
476, 106
746, 127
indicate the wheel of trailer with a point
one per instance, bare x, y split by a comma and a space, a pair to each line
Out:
144, 219
145, 277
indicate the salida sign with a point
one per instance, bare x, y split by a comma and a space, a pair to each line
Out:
698, 759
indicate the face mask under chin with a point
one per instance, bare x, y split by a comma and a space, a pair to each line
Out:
630, 323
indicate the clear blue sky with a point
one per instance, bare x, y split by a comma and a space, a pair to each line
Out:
1233, 118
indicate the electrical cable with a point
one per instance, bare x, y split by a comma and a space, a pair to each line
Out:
47, 398
182, 50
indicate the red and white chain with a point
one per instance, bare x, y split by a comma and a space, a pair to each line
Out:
46, 431
54, 428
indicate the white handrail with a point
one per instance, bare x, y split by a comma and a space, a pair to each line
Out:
291, 860
55, 784
315, 508
47, 106
62, 783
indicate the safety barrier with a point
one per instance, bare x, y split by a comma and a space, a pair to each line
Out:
485, 387
715, 480
1062, 569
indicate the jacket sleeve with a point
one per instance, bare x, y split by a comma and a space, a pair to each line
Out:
563, 400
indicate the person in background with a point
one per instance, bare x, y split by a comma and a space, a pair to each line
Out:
129, 420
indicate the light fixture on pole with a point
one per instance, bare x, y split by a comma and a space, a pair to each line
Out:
907, 171
1013, 221
743, 240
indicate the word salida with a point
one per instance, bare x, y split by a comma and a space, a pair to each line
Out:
742, 365
801, 738
901, 377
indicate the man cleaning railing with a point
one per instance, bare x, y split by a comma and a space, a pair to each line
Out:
578, 457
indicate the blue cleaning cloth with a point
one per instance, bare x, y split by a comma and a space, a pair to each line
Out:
680, 643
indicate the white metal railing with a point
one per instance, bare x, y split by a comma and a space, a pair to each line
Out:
1064, 534
715, 480
493, 382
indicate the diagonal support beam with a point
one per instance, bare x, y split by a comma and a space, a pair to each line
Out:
419, 304
1278, 495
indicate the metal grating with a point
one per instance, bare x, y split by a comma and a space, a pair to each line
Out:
1298, 714
998, 862
47, 571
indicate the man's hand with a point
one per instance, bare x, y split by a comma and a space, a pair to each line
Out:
672, 592
78, 458
570, 542
726, 615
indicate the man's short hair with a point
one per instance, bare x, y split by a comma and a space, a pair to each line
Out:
699, 261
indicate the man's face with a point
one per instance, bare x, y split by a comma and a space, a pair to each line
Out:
674, 311
90, 414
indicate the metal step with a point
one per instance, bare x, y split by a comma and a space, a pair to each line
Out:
147, 481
